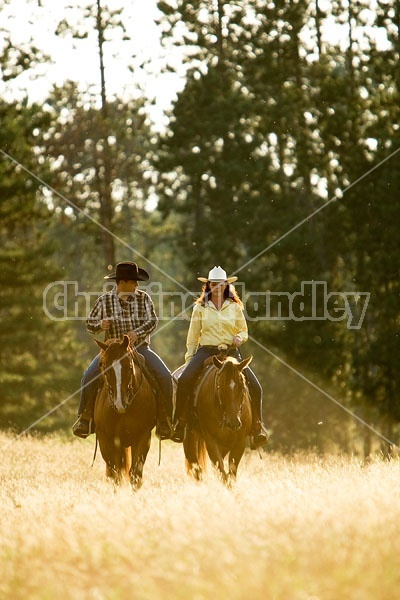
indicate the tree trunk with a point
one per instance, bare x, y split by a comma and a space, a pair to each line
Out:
104, 172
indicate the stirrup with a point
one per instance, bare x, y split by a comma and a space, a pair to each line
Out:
83, 427
163, 429
179, 432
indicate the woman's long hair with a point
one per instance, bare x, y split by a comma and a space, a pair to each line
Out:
229, 293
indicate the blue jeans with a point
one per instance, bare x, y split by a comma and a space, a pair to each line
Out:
193, 369
92, 380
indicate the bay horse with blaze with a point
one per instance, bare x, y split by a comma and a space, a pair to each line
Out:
223, 419
125, 412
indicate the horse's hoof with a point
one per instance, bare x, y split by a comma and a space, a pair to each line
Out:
136, 483
197, 472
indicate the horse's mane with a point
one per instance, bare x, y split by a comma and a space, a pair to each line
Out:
116, 351
230, 359
228, 370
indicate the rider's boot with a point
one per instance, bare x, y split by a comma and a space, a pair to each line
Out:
179, 431
84, 425
259, 435
163, 426
180, 419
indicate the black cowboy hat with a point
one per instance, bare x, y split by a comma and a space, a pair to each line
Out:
128, 271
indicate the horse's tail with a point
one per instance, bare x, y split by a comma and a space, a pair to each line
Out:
127, 460
202, 454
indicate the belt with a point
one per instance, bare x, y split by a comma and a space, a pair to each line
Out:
219, 349
211, 347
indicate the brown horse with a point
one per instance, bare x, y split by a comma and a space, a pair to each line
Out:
223, 419
125, 412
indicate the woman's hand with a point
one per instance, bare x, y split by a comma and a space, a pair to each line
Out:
105, 324
237, 341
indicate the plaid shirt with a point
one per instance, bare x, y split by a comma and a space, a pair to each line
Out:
136, 314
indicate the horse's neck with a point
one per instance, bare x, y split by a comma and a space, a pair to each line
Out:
135, 367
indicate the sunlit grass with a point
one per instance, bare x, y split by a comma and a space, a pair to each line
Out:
292, 529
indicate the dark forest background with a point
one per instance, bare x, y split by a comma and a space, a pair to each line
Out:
275, 120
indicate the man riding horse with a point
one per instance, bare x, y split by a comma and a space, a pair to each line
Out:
125, 310
217, 319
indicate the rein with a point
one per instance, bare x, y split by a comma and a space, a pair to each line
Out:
217, 386
217, 394
130, 386
95, 450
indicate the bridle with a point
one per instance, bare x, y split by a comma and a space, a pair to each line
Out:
217, 394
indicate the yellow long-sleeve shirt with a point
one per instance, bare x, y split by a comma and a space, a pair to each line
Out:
211, 327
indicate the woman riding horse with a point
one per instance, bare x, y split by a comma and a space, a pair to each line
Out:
217, 319
223, 422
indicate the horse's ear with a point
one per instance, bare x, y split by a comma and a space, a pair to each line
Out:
126, 341
217, 363
101, 345
245, 362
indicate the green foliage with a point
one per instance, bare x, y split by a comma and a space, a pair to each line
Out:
309, 120
38, 357
276, 164
208, 169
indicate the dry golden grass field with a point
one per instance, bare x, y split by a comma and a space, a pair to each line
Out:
293, 529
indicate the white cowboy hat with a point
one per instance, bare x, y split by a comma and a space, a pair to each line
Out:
217, 274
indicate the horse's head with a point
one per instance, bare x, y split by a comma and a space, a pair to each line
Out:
231, 389
119, 371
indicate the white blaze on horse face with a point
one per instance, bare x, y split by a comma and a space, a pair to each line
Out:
118, 381
232, 385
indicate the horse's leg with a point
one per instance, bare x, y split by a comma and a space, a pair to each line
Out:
113, 473
235, 457
127, 463
194, 454
114, 460
216, 456
139, 455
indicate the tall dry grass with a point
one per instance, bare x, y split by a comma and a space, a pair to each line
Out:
289, 529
